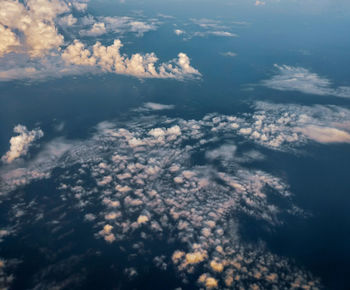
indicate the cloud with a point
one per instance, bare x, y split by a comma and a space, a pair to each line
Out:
8, 40
131, 191
68, 20
215, 33
325, 134
158, 107
32, 46
108, 58
229, 53
289, 78
209, 27
226, 152
259, 3
125, 24
97, 29
33, 24
287, 127
20, 144
179, 31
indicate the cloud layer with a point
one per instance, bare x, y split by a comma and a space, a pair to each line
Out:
136, 179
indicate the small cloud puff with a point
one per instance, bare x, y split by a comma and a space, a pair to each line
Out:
157, 107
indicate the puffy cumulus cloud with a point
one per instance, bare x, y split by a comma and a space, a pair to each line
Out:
289, 78
33, 24
68, 20
31, 43
179, 31
109, 58
8, 40
142, 219
283, 127
21, 143
97, 29
126, 177
77, 54
79, 5
38, 168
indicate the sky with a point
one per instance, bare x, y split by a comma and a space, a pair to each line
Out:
174, 144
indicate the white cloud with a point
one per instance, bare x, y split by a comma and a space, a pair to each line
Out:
31, 45
229, 53
222, 33
68, 20
325, 134
299, 79
80, 5
108, 58
33, 19
125, 24
135, 196
259, 3
8, 40
157, 107
21, 143
97, 29
179, 31
215, 33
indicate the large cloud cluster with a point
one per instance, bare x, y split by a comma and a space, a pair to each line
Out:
139, 181
29, 27
108, 58
33, 32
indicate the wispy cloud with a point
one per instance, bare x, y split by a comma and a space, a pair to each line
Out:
289, 78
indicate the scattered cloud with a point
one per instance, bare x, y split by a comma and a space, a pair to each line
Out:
289, 78
138, 178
